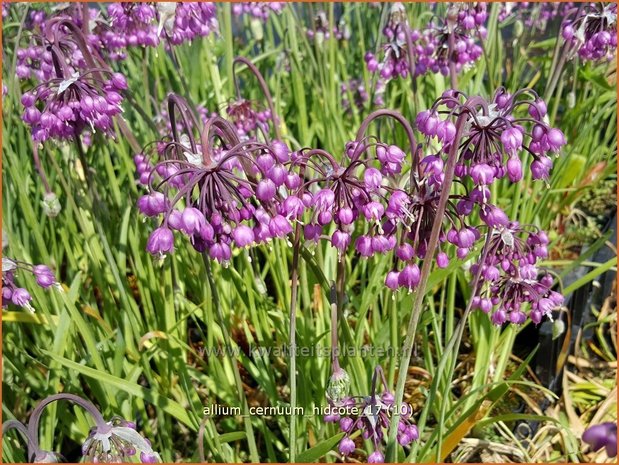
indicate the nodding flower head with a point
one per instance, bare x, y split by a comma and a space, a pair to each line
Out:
452, 40
117, 441
591, 30
258, 10
247, 118
510, 280
79, 95
217, 195
396, 56
495, 133
19, 296
372, 415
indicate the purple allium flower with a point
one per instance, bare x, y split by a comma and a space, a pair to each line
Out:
602, 435
117, 441
462, 26
372, 415
510, 279
234, 193
257, 10
494, 136
347, 446
18, 295
248, 119
592, 31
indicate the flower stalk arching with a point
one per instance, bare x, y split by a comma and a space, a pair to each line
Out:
253, 451
421, 289
35, 417
263, 86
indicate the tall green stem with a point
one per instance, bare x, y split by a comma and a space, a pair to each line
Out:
407, 348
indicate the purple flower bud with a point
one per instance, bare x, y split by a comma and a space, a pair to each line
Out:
347, 446
442, 260
512, 139
220, 252
345, 216
21, 297
119, 81
499, 317
192, 220
538, 109
363, 245
293, 207
265, 190
392, 279
279, 226
373, 211
243, 235
493, 216
405, 252
281, 151
160, 242
482, 174
312, 231
346, 423
340, 240
152, 204
277, 174
323, 200
541, 167
514, 169
44, 276
466, 238
376, 457
556, 139
372, 179
409, 276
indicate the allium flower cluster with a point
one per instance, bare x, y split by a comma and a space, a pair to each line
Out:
128, 24
396, 60
356, 88
511, 281
321, 30
234, 195
63, 107
116, 441
20, 296
452, 41
495, 135
257, 10
533, 14
184, 21
371, 415
593, 31
248, 118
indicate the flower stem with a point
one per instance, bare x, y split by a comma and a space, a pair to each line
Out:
293, 341
407, 348
253, 451
33, 422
